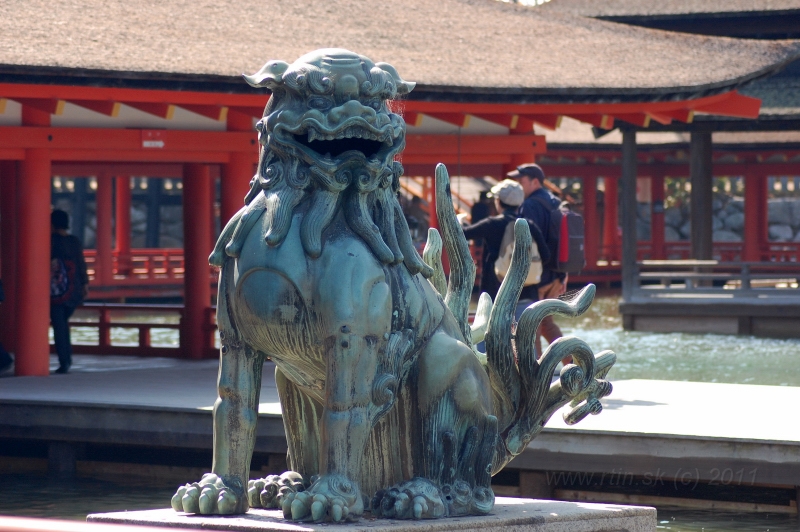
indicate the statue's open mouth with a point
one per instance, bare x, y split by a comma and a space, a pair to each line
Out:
370, 147
353, 138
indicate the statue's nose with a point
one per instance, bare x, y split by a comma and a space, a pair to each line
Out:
347, 88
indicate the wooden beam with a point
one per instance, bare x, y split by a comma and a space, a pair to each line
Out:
13, 91
636, 119
734, 104
474, 144
254, 111
214, 112
701, 178
53, 106
612, 109
661, 118
456, 119
505, 120
627, 190
551, 122
597, 120
107, 107
109, 140
161, 110
412, 119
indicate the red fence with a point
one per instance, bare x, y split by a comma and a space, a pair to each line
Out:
106, 316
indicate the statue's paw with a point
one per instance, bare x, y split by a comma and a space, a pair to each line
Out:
330, 498
209, 496
461, 499
417, 498
268, 492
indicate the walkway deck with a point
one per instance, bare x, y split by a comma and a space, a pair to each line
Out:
675, 433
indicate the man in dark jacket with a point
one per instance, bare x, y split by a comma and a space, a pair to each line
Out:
508, 196
538, 204
69, 284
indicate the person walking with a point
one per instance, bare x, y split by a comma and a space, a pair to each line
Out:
69, 284
508, 196
538, 204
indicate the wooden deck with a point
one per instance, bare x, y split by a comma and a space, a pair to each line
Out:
708, 296
654, 441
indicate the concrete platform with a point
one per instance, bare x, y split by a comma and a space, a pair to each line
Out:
513, 515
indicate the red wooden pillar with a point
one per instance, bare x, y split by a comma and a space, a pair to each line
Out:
235, 184
657, 226
8, 252
755, 216
104, 263
591, 222
524, 126
196, 336
610, 221
33, 264
237, 172
123, 224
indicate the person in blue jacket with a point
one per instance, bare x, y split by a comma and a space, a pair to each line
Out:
537, 206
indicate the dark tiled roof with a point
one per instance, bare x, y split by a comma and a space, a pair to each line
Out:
653, 8
467, 46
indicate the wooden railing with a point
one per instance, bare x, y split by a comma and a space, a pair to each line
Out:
686, 278
106, 316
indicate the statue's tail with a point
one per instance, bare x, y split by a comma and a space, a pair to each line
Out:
521, 385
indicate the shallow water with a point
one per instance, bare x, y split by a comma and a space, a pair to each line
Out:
39, 495
685, 357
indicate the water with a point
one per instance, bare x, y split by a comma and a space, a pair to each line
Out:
686, 357
38, 495
682, 520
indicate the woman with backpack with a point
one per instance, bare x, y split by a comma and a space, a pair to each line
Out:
508, 196
69, 284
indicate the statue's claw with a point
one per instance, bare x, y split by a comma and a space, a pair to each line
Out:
209, 496
414, 499
330, 498
269, 491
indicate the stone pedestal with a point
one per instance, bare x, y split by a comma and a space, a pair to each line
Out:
512, 515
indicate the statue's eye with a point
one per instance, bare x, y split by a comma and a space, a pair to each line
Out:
319, 103
375, 104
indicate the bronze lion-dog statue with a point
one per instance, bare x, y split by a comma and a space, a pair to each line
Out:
387, 405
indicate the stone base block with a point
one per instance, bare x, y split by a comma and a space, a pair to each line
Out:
511, 515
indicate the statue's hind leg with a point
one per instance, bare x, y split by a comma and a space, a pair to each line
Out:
235, 414
301, 417
455, 435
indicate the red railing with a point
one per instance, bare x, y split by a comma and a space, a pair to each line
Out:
107, 316
144, 272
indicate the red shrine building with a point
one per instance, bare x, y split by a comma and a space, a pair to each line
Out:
108, 103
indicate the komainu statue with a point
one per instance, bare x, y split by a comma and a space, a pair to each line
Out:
387, 405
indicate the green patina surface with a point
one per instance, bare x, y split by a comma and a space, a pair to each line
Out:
387, 405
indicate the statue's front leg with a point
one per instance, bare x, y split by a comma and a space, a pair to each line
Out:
235, 414
345, 427
223, 491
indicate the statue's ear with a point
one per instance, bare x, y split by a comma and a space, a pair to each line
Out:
403, 87
269, 76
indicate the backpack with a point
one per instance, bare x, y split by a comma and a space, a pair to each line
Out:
63, 282
503, 262
565, 238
